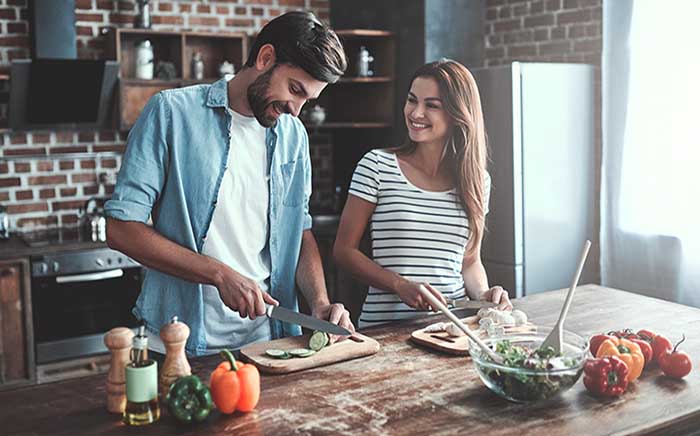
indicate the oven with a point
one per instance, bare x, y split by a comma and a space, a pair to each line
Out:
77, 297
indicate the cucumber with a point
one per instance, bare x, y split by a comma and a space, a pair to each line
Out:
277, 354
318, 340
301, 352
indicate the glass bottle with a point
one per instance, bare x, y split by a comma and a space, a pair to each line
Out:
141, 385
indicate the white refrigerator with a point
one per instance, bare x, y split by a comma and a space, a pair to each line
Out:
540, 125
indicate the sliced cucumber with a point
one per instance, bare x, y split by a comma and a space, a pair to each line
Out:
299, 352
318, 340
309, 353
277, 354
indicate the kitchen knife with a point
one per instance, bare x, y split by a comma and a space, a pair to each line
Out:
456, 305
292, 317
469, 304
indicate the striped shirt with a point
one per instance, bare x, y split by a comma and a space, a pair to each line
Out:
418, 234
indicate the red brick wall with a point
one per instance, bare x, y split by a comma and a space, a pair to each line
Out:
543, 30
46, 176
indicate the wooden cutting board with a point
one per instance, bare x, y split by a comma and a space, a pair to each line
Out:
357, 345
459, 345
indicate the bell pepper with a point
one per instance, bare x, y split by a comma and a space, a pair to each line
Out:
627, 351
605, 376
596, 340
647, 351
189, 399
235, 385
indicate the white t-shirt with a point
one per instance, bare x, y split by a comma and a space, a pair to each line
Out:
418, 234
243, 200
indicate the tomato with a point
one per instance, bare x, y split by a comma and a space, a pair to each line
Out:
660, 344
675, 363
647, 335
595, 342
647, 351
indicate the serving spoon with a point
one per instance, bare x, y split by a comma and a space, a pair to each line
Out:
555, 338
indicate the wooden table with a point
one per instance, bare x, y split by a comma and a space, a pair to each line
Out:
409, 390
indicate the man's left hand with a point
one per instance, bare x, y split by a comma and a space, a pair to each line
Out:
335, 313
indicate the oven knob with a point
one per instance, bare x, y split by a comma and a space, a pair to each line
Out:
55, 266
43, 268
99, 262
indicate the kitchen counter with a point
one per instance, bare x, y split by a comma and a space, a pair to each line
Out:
405, 389
15, 248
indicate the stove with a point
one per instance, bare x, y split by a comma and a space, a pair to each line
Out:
78, 294
53, 237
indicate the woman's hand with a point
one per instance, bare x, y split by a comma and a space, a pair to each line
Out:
499, 296
409, 292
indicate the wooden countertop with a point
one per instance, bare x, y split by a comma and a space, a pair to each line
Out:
405, 389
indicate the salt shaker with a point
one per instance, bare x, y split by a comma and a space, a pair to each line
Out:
197, 66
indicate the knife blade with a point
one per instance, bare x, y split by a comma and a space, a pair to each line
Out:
469, 304
458, 305
292, 317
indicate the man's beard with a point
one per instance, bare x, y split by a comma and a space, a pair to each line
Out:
258, 101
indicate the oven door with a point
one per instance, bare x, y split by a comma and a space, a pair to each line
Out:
73, 312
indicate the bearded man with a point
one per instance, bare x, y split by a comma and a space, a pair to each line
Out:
223, 171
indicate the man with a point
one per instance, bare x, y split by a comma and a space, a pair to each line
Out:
224, 172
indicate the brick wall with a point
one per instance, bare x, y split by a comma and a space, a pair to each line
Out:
543, 30
45, 177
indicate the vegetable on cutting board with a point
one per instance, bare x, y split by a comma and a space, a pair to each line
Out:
627, 351
675, 363
605, 376
189, 400
317, 342
235, 385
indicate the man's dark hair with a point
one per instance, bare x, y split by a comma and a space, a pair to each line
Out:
301, 40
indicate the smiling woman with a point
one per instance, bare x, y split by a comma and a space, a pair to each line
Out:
425, 202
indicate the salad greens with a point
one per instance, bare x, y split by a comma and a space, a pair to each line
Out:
524, 385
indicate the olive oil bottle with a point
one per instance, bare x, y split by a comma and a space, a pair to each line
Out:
141, 385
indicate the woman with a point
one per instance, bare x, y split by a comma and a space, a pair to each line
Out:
425, 201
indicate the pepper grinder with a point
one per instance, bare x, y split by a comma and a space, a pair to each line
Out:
118, 341
174, 335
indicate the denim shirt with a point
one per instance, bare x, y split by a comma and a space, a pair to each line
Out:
174, 162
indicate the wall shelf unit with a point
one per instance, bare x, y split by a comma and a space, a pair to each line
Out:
171, 46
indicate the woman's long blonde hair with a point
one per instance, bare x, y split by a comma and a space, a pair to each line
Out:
465, 149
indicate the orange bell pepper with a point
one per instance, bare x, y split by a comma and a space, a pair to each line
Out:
234, 385
627, 351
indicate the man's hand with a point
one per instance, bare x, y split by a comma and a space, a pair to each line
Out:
499, 296
243, 294
335, 313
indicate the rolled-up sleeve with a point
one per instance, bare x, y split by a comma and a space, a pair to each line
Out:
144, 165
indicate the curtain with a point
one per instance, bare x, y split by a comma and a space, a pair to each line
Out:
650, 188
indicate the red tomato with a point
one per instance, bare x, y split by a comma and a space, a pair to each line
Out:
647, 335
675, 364
660, 345
595, 342
647, 351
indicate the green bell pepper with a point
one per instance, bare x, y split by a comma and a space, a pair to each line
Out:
189, 399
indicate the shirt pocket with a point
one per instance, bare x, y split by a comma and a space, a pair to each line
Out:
292, 184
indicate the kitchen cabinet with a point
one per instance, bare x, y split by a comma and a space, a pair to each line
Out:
16, 338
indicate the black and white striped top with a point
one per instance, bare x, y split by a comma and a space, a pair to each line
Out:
418, 234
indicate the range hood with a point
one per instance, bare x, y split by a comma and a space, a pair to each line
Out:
54, 89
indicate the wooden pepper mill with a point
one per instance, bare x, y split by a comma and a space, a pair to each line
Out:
174, 335
118, 341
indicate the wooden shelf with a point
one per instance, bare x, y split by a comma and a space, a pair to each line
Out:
361, 33
379, 79
177, 47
